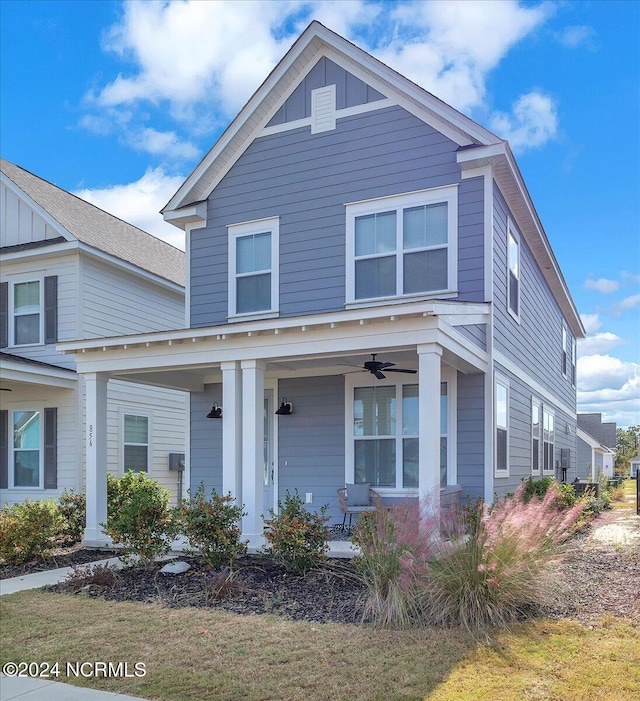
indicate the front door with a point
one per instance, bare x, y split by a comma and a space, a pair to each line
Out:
268, 452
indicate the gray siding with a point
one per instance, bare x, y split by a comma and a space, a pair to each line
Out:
471, 434
306, 180
311, 441
520, 396
350, 91
583, 461
206, 440
476, 333
535, 343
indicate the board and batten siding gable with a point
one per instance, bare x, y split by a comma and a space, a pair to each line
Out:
306, 179
19, 223
535, 343
311, 442
350, 92
116, 302
64, 267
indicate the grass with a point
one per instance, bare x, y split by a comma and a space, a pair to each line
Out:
625, 496
211, 654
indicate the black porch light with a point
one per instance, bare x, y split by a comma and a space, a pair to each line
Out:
216, 412
285, 408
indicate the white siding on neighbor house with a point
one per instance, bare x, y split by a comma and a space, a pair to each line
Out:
167, 410
116, 302
69, 437
19, 223
65, 266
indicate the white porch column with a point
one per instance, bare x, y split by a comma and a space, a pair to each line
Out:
96, 457
252, 450
232, 429
429, 378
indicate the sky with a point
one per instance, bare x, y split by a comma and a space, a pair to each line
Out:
117, 102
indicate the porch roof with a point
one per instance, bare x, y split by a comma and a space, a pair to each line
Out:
16, 370
186, 359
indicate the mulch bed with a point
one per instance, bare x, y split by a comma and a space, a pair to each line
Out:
62, 557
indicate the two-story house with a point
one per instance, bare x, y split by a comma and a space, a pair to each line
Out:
371, 298
71, 271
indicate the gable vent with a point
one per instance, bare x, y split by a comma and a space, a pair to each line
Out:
323, 109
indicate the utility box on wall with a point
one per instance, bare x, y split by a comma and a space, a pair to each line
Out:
176, 462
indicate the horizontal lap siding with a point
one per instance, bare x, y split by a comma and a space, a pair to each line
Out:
306, 180
476, 333
117, 303
535, 344
311, 441
471, 240
206, 440
471, 436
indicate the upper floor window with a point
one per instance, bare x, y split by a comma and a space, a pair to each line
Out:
568, 356
27, 305
513, 291
402, 245
253, 268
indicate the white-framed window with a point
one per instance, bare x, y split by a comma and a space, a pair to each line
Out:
501, 401
548, 441
536, 435
382, 427
136, 442
27, 301
573, 362
403, 246
513, 273
27, 454
253, 268
568, 360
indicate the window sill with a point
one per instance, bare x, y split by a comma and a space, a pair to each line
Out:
385, 301
258, 316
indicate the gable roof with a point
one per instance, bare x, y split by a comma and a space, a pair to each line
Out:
313, 43
98, 229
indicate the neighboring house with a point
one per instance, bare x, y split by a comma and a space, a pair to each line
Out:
347, 212
71, 271
596, 447
634, 467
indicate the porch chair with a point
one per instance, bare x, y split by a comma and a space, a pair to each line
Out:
356, 499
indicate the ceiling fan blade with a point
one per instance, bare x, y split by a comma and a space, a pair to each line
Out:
379, 375
386, 365
409, 372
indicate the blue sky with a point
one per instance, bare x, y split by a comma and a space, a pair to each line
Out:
119, 101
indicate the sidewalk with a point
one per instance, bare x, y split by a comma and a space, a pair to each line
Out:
28, 689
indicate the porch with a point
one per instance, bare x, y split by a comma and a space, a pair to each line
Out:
345, 425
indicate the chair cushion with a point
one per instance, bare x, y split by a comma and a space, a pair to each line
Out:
358, 495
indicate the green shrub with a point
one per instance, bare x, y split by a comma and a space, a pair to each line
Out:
298, 538
212, 527
29, 530
73, 509
138, 516
566, 493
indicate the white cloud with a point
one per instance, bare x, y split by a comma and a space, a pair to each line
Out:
602, 285
599, 343
604, 372
591, 322
577, 35
533, 121
163, 143
139, 203
447, 47
625, 305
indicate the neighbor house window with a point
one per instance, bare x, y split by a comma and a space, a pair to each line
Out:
136, 443
27, 306
548, 437
536, 431
27, 448
513, 291
402, 245
253, 267
502, 427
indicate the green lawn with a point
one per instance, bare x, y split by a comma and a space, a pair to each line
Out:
203, 654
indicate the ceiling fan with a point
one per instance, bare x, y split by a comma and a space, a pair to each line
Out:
375, 367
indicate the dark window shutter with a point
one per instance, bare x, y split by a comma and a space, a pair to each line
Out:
51, 448
4, 314
51, 309
4, 449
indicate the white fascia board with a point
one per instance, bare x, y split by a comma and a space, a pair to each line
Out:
53, 223
33, 375
44, 251
129, 267
195, 215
